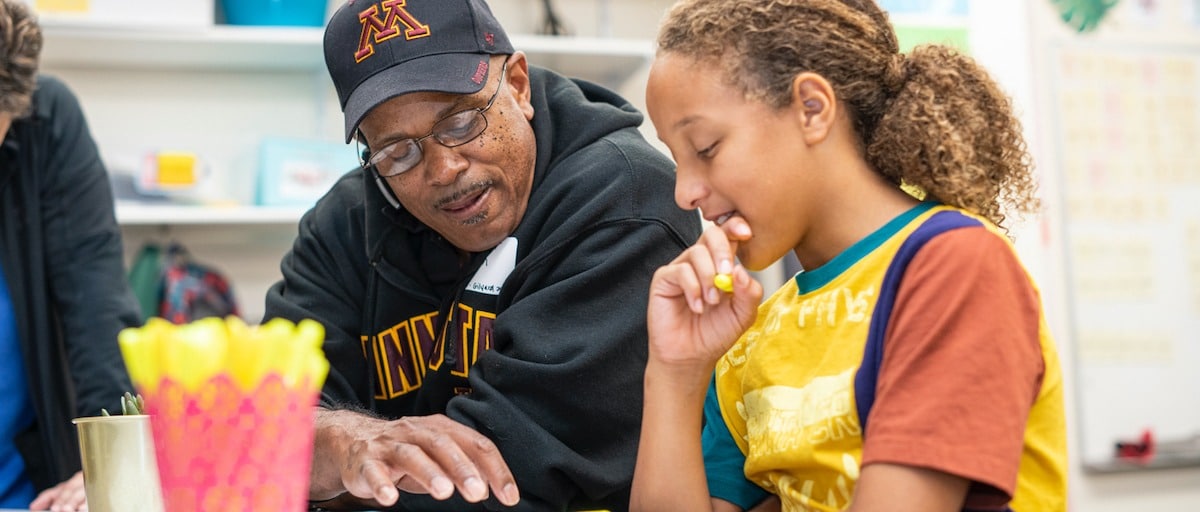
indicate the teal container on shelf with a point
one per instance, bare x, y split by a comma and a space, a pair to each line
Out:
293, 13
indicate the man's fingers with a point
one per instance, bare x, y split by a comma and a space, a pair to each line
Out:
470, 459
403, 466
492, 465
374, 481
428, 455
418, 466
454, 447
509, 495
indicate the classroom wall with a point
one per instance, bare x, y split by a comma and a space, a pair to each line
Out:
1004, 39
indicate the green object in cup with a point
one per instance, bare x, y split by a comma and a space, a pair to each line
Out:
130, 405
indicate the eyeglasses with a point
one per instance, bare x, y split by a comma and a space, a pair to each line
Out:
451, 131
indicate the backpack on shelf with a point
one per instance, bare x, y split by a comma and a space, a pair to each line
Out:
173, 286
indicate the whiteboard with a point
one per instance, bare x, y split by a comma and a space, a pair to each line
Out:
1125, 132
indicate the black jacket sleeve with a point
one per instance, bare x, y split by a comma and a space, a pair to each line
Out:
325, 279
83, 251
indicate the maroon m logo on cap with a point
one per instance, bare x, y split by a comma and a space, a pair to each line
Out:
386, 27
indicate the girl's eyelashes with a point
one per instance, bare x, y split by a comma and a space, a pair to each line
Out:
708, 151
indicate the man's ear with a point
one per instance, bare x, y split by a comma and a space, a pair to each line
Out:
518, 81
815, 106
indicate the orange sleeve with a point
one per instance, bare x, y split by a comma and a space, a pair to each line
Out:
962, 365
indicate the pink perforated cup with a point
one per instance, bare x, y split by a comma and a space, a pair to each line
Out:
221, 448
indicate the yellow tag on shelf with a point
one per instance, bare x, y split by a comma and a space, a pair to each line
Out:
176, 168
45, 6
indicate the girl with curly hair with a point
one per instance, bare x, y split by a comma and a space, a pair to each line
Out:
908, 367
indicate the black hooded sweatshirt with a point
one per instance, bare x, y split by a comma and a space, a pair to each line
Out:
545, 348
60, 246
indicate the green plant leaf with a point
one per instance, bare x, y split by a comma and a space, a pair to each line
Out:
130, 405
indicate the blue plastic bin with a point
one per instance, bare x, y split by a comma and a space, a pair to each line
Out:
295, 13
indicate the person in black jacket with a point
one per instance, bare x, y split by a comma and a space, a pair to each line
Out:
483, 277
63, 293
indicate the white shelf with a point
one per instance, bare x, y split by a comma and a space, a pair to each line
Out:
222, 47
133, 214
602, 60
217, 47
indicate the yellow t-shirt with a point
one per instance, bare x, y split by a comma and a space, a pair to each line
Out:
959, 374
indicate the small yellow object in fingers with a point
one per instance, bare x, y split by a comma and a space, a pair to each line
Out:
723, 282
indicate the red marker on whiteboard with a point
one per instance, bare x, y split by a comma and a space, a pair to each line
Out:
1137, 451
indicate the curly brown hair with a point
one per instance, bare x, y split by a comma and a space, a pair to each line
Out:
933, 119
20, 47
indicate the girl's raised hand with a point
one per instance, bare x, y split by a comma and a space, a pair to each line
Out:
691, 321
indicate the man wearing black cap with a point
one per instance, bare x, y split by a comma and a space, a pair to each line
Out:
483, 277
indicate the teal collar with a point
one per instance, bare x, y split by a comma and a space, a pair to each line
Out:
811, 280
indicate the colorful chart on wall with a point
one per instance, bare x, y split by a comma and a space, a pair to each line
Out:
1125, 111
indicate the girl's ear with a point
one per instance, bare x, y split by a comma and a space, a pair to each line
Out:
815, 106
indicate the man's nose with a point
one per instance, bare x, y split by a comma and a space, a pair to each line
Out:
443, 164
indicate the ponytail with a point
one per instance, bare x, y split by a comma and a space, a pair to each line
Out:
949, 131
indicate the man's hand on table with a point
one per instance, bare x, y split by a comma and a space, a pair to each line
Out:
374, 459
67, 496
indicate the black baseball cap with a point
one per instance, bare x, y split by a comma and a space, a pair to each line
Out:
376, 50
